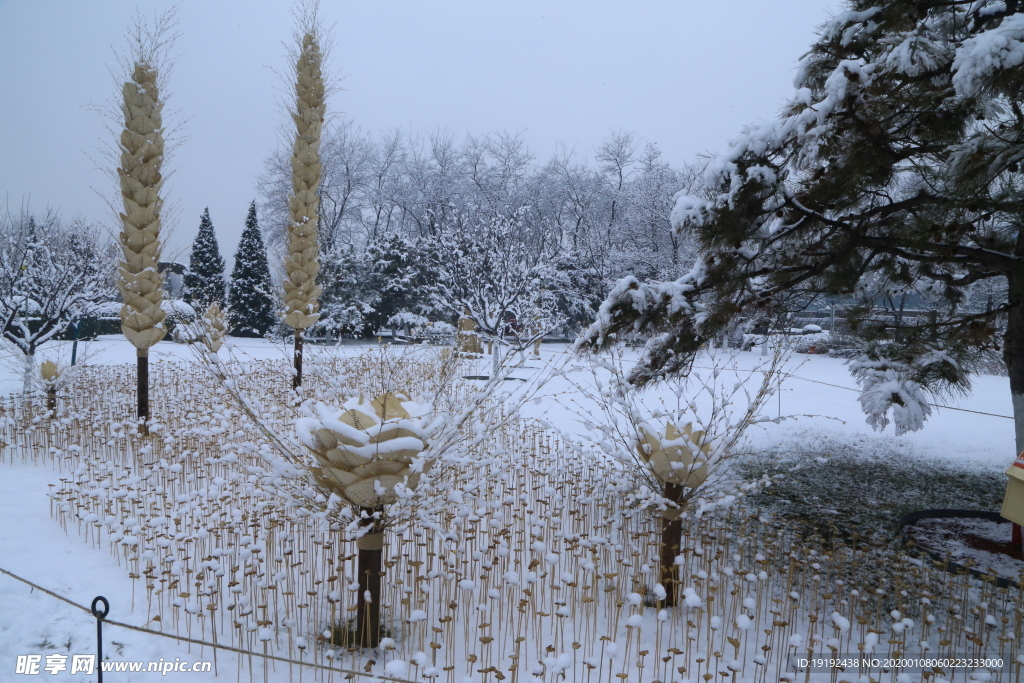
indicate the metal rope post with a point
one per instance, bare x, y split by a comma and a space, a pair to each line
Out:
100, 616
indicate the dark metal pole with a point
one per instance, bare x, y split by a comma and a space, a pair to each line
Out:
100, 616
369, 568
297, 377
143, 390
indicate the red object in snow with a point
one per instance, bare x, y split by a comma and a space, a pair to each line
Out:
811, 350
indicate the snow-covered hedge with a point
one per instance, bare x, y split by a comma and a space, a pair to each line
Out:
823, 342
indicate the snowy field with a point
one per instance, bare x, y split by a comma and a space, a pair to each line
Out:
819, 391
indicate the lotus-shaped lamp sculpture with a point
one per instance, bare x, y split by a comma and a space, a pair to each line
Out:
365, 451
679, 457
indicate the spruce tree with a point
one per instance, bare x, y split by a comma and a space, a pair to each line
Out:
204, 283
251, 308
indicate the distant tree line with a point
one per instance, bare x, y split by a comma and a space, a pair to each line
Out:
408, 224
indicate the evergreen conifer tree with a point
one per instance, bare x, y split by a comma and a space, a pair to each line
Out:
204, 283
251, 308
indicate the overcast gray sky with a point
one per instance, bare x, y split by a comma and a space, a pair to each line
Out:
687, 75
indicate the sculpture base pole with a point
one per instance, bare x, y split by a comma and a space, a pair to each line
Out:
143, 390
671, 541
369, 568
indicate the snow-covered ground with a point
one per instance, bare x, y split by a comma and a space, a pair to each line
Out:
820, 392
822, 396
33, 545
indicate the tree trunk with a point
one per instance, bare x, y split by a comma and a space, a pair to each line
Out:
1013, 355
142, 390
51, 400
297, 377
671, 542
495, 357
369, 568
74, 343
30, 368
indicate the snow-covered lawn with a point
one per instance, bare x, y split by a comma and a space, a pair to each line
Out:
545, 556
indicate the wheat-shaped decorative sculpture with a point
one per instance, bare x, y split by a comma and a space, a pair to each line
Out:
140, 281
214, 328
676, 459
364, 453
302, 265
467, 338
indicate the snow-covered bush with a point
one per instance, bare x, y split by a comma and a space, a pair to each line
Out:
406, 319
437, 332
803, 343
421, 327
825, 342
184, 321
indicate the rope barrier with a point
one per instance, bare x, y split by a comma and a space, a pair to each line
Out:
937, 405
193, 641
837, 386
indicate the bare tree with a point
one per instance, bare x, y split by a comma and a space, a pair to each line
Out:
497, 168
385, 171
347, 158
645, 234
615, 158
433, 184
51, 274
491, 276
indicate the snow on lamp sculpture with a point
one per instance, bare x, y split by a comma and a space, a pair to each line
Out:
140, 281
675, 459
302, 265
363, 454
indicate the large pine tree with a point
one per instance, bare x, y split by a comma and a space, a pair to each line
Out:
204, 283
251, 308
